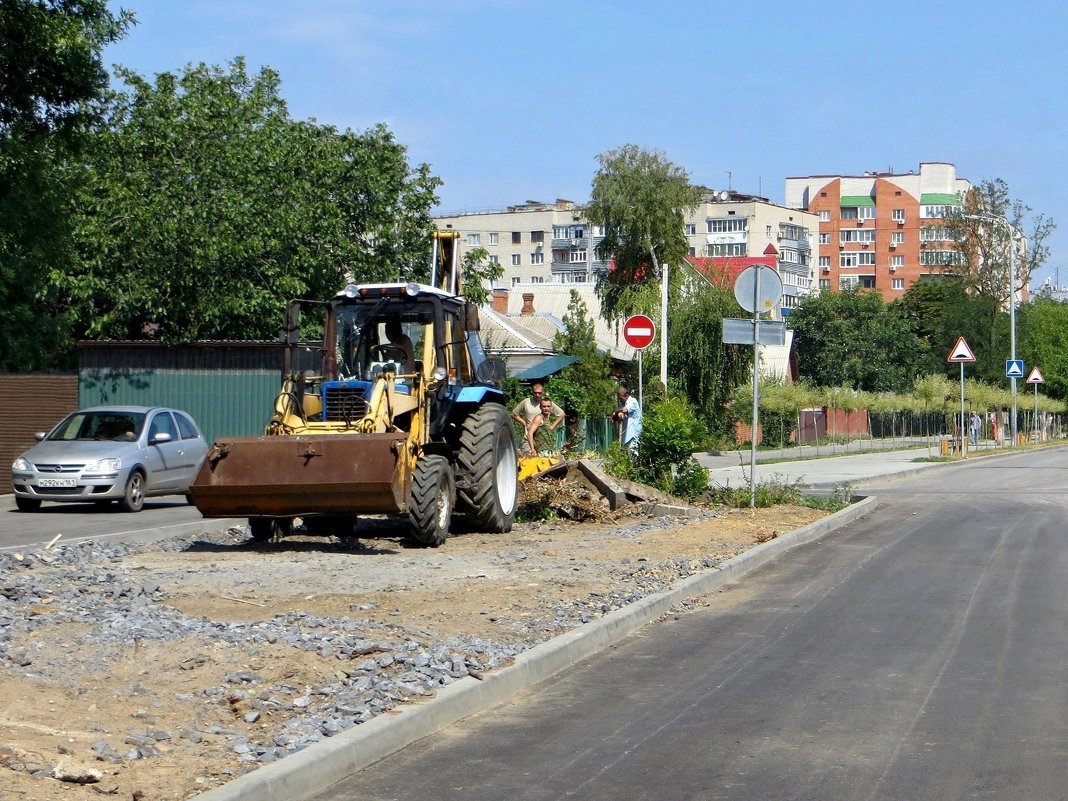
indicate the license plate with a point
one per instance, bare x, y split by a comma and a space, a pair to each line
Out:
57, 482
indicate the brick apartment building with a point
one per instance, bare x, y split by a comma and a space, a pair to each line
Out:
880, 230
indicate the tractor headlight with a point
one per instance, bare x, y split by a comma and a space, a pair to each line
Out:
412, 289
439, 374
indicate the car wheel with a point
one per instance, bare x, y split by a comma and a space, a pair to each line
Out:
134, 497
27, 504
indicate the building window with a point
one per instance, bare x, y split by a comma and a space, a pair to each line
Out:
578, 255
690, 229
940, 257
693, 253
935, 233
473, 240
897, 283
537, 236
517, 238
536, 279
898, 215
866, 212
825, 239
897, 261
856, 235
825, 283
515, 280
825, 261
767, 231
789, 256
516, 259
897, 237
847, 282
494, 239
726, 249
495, 259
860, 259
825, 215
728, 226
849, 212
796, 232
537, 257
941, 211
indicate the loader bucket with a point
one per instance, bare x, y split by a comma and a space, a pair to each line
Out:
290, 476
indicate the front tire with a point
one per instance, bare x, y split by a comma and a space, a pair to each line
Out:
265, 529
27, 504
487, 465
431, 500
134, 497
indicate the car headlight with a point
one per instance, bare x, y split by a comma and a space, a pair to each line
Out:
104, 466
21, 465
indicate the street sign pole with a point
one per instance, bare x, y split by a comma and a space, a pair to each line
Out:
756, 387
963, 427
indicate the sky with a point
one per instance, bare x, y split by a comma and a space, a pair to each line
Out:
513, 100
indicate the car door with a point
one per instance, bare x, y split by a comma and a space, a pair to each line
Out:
192, 451
165, 471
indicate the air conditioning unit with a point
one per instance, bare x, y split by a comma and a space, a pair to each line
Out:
826, 269
893, 245
893, 269
900, 221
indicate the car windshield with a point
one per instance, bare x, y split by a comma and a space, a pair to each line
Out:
103, 425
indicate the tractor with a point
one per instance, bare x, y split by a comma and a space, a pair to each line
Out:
404, 414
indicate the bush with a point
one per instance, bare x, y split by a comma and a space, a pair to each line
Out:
670, 435
691, 479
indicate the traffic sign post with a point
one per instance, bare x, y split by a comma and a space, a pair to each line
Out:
639, 331
1035, 377
961, 354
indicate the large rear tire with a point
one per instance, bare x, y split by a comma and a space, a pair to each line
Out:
431, 501
486, 463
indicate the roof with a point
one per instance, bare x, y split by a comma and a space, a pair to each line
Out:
551, 302
544, 368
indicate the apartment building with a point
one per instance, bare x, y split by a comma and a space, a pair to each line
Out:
535, 242
540, 243
880, 230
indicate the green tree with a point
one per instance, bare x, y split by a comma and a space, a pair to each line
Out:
705, 370
50, 75
207, 207
477, 269
640, 199
584, 388
1043, 342
995, 233
852, 338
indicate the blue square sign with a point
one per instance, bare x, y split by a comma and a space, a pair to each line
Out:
1014, 368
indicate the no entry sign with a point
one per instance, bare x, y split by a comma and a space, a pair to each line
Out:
639, 331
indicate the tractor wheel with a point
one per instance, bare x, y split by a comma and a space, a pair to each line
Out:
265, 529
431, 500
487, 464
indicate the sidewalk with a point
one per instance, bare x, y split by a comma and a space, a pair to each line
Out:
827, 466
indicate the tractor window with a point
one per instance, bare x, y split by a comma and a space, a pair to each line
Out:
372, 336
459, 359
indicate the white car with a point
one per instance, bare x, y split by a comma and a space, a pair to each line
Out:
106, 453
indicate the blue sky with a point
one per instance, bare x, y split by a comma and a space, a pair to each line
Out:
510, 100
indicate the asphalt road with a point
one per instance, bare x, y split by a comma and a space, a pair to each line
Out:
920, 653
162, 517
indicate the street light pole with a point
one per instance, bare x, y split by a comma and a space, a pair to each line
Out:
1012, 303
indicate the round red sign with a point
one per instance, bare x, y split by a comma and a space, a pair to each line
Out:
639, 331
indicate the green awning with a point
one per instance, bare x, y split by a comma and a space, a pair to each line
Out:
939, 199
545, 368
857, 200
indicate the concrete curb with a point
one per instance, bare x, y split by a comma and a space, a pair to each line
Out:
318, 767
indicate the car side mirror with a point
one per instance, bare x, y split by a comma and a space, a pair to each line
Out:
161, 437
39, 436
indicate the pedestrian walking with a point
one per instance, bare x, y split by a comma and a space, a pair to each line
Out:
977, 424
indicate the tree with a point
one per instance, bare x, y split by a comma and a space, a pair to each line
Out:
706, 370
988, 245
477, 269
1043, 341
207, 207
853, 339
941, 310
50, 75
640, 198
584, 388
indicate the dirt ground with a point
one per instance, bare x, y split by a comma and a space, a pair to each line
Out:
502, 587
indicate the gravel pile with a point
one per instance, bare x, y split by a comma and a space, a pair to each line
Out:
379, 666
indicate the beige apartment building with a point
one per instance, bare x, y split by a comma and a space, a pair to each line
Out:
880, 230
539, 243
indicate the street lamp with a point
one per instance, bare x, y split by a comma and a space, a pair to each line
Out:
1012, 229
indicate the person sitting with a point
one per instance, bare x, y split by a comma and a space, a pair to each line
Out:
399, 349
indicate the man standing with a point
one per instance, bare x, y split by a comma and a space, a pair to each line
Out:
977, 424
629, 414
541, 435
527, 409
